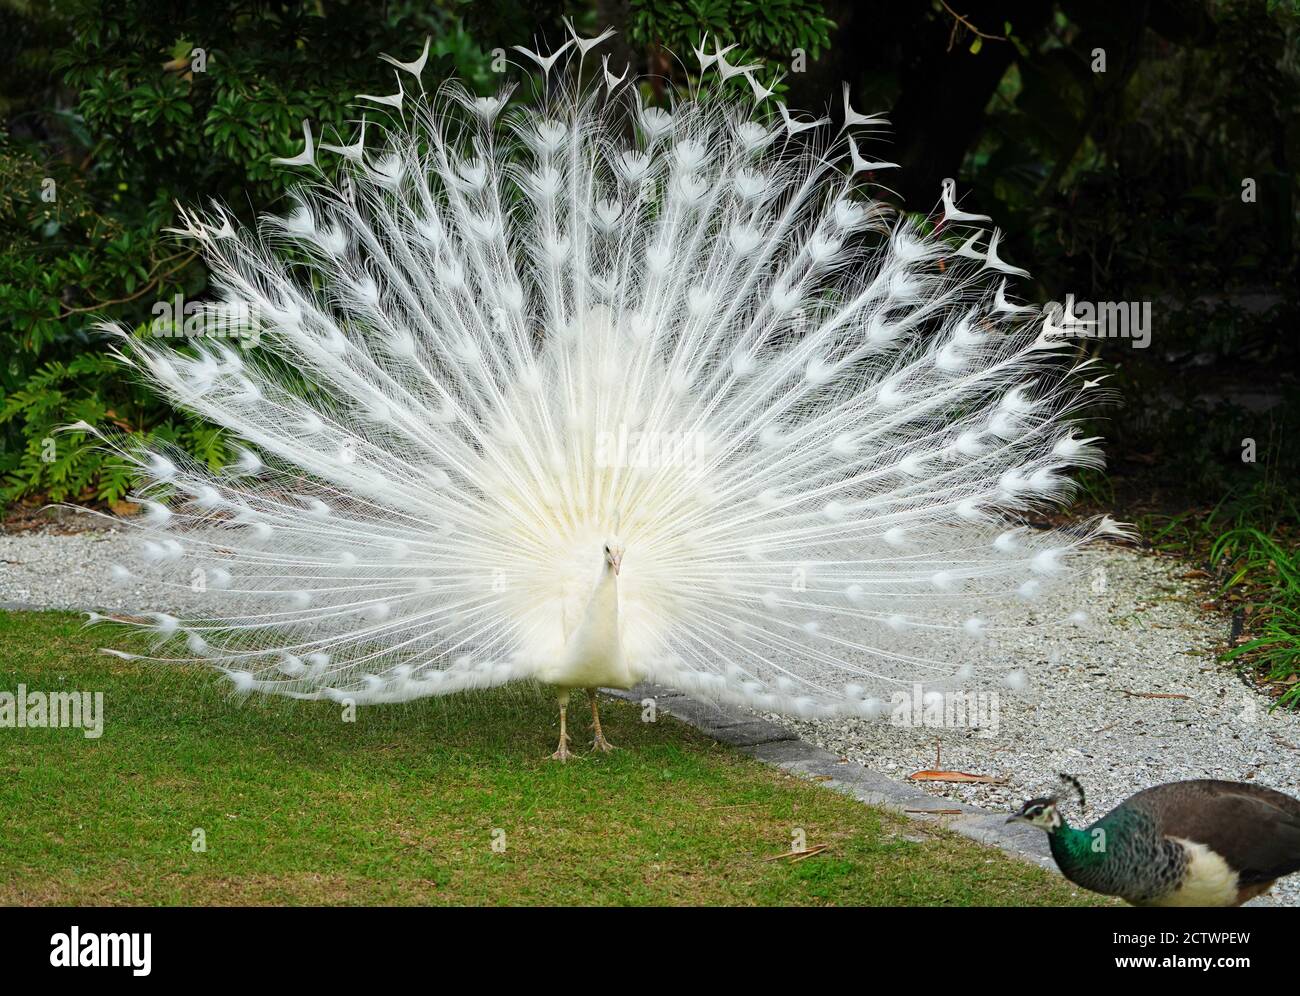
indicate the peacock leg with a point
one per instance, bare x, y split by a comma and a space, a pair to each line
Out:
562, 752
600, 743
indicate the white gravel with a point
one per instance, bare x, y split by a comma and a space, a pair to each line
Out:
1088, 710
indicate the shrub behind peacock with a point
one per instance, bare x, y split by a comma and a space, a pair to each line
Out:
585, 389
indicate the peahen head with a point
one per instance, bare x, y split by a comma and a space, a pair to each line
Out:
614, 553
1042, 812
1038, 812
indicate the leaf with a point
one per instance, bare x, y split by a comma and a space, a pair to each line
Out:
976, 45
930, 775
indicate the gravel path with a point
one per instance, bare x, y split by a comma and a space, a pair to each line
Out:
41, 569
1089, 710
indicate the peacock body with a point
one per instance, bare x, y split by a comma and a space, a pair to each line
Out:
584, 390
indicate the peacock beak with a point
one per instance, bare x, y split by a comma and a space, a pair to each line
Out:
616, 561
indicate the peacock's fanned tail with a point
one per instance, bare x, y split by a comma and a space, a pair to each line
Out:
516, 326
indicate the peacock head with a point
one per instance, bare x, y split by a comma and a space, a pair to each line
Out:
1038, 812
614, 553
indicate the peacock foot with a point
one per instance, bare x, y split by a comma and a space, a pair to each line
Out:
602, 745
563, 753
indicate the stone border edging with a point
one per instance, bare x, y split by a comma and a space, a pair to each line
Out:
776, 746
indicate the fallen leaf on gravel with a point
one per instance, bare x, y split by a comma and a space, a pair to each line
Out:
929, 775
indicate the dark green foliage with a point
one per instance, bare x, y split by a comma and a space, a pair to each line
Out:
768, 29
108, 102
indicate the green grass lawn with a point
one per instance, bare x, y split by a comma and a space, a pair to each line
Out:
401, 806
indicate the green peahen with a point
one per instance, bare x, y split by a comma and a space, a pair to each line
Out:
1191, 843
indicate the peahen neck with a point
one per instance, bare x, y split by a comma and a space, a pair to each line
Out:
1119, 855
1074, 848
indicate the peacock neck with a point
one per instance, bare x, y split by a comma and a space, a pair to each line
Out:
603, 606
593, 651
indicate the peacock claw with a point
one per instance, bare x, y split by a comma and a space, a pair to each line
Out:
602, 745
562, 752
